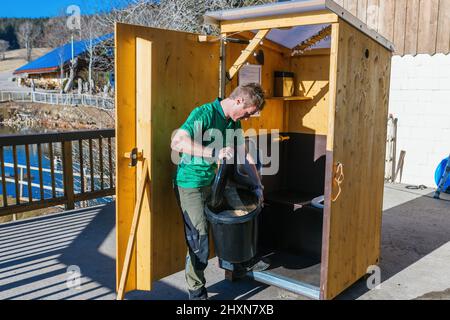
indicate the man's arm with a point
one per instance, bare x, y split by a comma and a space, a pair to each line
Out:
182, 142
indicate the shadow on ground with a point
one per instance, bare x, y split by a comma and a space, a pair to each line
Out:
410, 231
35, 255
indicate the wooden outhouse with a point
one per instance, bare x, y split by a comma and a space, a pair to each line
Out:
333, 132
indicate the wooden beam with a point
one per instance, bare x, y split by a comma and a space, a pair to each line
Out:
443, 31
317, 52
280, 21
222, 66
334, 50
27, 207
125, 81
205, 38
145, 52
134, 227
308, 43
68, 175
428, 25
248, 51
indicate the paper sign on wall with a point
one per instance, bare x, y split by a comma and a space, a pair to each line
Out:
250, 73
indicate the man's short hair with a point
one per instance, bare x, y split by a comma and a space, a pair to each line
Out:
252, 93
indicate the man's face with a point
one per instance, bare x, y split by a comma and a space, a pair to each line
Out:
240, 112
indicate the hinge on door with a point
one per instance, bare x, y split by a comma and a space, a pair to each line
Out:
134, 157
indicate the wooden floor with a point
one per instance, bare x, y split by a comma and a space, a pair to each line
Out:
40, 257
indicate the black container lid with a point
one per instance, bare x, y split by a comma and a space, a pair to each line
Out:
283, 74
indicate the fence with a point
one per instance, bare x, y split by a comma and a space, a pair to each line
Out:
24, 183
68, 194
58, 98
414, 26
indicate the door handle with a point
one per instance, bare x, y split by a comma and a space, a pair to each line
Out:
134, 157
282, 138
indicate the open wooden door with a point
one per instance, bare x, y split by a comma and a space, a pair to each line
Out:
161, 75
359, 93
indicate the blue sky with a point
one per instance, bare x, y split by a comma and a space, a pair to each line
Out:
49, 8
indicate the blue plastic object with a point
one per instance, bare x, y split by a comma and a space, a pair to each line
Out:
439, 172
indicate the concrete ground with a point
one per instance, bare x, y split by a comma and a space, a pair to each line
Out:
39, 258
7, 85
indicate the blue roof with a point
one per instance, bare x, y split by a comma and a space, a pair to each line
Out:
50, 62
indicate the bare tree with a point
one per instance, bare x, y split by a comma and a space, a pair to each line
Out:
27, 34
91, 30
57, 35
182, 15
4, 45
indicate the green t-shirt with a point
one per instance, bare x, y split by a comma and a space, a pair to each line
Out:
195, 172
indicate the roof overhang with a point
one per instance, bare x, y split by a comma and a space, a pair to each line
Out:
280, 9
37, 71
265, 10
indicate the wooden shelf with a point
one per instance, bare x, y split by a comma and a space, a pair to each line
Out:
290, 98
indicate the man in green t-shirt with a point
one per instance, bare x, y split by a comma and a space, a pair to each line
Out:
196, 169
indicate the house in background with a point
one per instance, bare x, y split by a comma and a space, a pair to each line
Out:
52, 70
420, 77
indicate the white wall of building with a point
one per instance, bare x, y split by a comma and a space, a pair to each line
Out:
420, 99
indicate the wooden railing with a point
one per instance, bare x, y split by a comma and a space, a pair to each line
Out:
73, 157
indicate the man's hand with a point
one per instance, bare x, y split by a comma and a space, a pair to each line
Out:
226, 153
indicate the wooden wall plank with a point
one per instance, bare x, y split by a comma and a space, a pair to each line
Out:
412, 26
428, 18
353, 222
144, 143
443, 33
361, 11
125, 141
351, 6
428, 23
312, 80
386, 16
335, 36
372, 14
400, 26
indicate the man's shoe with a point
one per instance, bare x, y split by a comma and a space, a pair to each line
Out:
199, 294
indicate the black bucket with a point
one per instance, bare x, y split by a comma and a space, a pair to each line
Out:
235, 237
